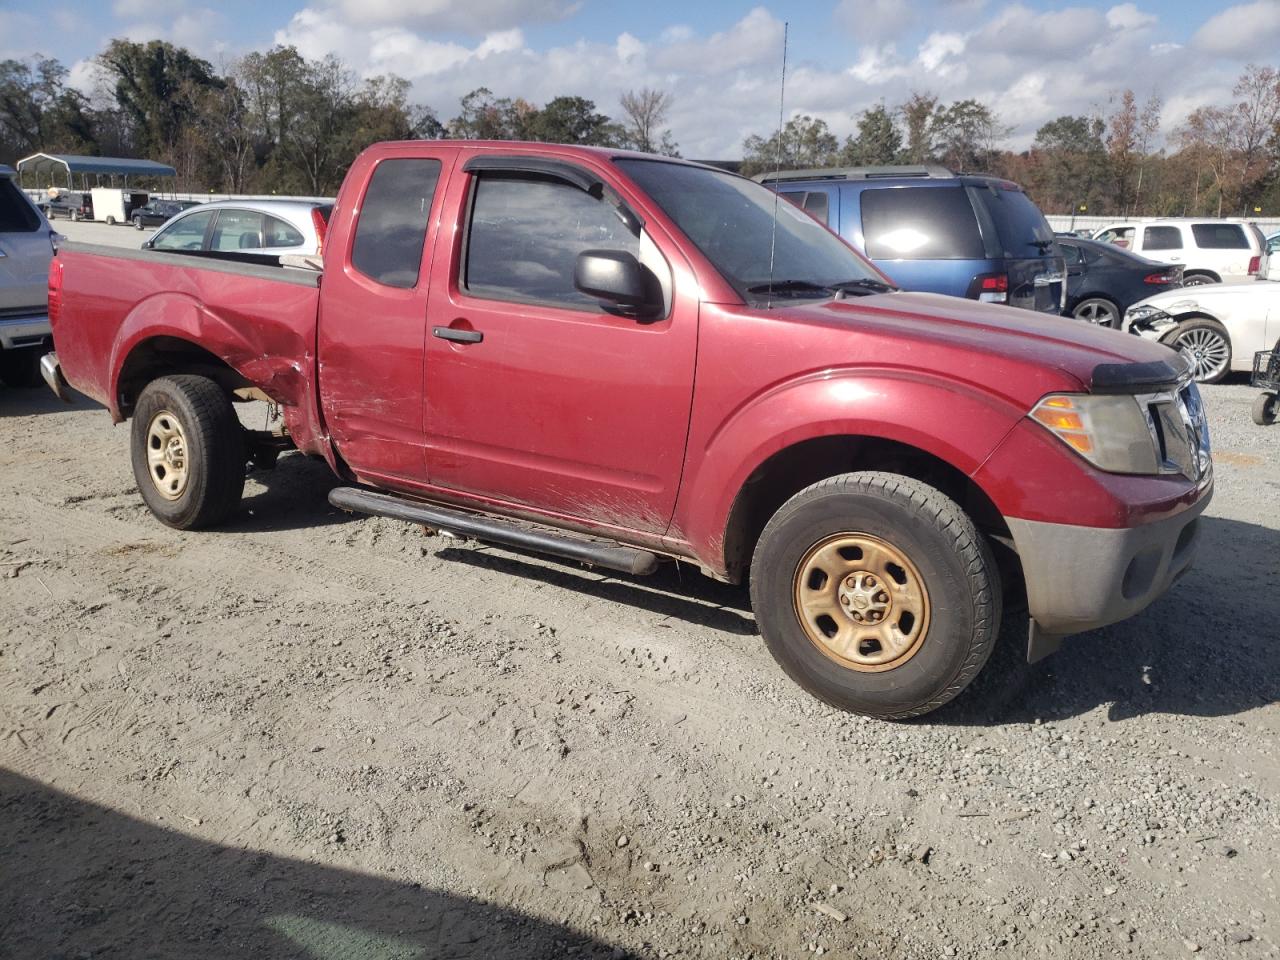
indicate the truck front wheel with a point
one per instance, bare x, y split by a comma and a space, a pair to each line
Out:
877, 594
188, 451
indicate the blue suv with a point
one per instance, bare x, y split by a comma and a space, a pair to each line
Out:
934, 230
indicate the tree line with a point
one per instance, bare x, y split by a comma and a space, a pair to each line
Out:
1223, 160
275, 121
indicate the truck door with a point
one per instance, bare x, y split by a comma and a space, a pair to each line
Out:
536, 394
372, 324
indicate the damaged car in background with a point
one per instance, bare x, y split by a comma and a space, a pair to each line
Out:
1218, 326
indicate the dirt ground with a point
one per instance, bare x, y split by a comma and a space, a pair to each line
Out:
317, 736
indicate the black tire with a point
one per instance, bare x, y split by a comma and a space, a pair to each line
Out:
21, 367
213, 443
1098, 311
1198, 279
953, 560
1266, 408
1199, 338
137, 223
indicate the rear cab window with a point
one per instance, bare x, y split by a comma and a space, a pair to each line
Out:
1220, 236
16, 214
920, 223
392, 228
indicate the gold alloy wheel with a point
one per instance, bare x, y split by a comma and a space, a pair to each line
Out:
861, 602
167, 455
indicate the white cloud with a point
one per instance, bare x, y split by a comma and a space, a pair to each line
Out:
474, 16
869, 21
1127, 16
938, 48
1248, 29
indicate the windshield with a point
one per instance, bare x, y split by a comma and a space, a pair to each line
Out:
730, 220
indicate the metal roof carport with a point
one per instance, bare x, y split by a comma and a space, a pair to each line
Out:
45, 166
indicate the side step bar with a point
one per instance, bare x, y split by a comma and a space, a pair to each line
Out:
594, 552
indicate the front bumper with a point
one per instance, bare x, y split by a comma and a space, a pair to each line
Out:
24, 331
1082, 578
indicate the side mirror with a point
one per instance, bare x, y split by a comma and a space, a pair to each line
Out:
148, 244
618, 278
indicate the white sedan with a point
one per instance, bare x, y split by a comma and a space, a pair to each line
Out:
1219, 326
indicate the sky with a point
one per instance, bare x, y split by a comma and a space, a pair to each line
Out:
1032, 60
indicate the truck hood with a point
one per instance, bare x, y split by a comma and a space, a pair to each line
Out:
1098, 359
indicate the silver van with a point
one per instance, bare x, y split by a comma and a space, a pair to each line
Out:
26, 247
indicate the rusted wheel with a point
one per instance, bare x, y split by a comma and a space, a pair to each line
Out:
876, 593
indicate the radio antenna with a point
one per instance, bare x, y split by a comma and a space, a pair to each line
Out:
777, 163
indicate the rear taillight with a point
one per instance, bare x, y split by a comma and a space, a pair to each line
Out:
990, 288
55, 290
1161, 279
322, 227
1255, 266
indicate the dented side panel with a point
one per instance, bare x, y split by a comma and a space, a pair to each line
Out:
260, 327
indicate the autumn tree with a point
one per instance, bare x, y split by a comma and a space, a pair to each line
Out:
645, 111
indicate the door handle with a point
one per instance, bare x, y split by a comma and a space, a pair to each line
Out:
458, 336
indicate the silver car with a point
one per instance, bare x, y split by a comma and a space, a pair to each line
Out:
26, 247
246, 226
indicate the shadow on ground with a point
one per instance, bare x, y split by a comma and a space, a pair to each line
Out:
294, 496
32, 401
1207, 648
80, 880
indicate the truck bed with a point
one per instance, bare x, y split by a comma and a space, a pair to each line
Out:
117, 308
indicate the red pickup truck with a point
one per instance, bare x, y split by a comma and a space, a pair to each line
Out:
624, 359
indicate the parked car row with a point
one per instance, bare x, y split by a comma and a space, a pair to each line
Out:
26, 247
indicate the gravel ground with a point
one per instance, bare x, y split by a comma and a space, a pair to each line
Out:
312, 735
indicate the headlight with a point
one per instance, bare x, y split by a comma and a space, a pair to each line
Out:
1145, 312
1111, 432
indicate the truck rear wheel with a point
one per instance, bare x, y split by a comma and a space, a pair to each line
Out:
188, 451
877, 594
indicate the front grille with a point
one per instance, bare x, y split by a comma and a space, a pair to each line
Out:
1181, 431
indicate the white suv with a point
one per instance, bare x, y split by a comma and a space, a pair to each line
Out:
1210, 251
26, 247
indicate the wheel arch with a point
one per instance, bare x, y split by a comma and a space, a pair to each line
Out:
799, 465
1213, 275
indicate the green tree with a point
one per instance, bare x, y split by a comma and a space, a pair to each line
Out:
967, 134
878, 142
39, 112
1070, 164
483, 117
574, 120
919, 119
156, 86
803, 143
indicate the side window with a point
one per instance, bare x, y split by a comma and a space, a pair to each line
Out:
1071, 254
184, 234
1220, 236
237, 230
281, 234
920, 223
816, 204
525, 236
16, 214
1161, 238
393, 220
794, 197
